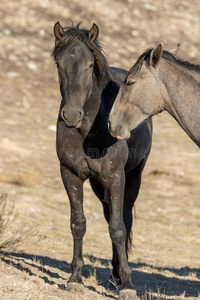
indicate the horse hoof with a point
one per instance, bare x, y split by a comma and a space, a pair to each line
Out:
75, 287
127, 295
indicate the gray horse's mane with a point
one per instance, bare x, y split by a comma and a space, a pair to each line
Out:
166, 55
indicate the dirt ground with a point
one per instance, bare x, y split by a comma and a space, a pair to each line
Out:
166, 234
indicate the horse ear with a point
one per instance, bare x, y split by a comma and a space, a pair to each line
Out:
93, 33
175, 49
156, 55
58, 31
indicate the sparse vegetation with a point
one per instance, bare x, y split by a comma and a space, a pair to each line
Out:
12, 235
21, 178
166, 233
149, 295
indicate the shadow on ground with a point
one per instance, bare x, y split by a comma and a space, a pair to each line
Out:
172, 286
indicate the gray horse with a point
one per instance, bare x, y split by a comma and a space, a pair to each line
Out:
158, 81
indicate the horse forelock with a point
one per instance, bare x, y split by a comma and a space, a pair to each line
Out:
138, 65
71, 34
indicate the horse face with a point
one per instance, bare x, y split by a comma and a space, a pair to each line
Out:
140, 97
75, 71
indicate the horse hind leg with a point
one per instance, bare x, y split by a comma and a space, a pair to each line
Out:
117, 231
132, 186
104, 198
126, 294
131, 194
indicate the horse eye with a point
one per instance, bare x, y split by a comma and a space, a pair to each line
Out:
130, 82
92, 65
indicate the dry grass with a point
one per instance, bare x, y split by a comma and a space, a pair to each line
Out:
12, 236
21, 178
166, 233
149, 295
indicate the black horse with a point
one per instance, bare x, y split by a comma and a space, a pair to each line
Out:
87, 150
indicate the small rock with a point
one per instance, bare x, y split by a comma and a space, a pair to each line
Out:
150, 7
12, 57
134, 33
184, 271
32, 66
7, 31
12, 74
42, 32
127, 295
52, 128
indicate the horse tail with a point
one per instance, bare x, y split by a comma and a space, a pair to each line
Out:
130, 237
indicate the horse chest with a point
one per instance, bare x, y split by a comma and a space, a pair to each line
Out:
82, 164
88, 159
86, 167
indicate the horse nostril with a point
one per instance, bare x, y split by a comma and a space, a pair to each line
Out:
109, 125
79, 116
63, 115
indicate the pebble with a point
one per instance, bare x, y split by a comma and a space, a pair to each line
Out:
150, 7
42, 32
7, 31
134, 33
32, 66
12, 74
52, 128
184, 271
12, 57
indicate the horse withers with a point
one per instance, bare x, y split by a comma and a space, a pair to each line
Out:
158, 81
86, 149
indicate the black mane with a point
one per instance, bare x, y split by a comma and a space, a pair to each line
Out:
71, 34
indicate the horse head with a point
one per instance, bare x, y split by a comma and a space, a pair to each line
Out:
75, 63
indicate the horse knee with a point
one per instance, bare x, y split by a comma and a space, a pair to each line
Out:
78, 228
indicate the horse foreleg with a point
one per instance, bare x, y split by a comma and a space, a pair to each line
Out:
74, 188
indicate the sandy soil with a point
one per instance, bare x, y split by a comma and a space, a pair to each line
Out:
166, 231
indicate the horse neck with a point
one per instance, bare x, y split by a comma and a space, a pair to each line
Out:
183, 102
97, 109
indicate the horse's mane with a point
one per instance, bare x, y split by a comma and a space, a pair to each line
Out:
173, 58
71, 34
166, 55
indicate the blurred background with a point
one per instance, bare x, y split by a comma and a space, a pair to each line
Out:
166, 229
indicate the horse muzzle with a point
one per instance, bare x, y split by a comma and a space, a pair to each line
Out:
118, 131
72, 121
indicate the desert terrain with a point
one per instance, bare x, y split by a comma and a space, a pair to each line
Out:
165, 258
